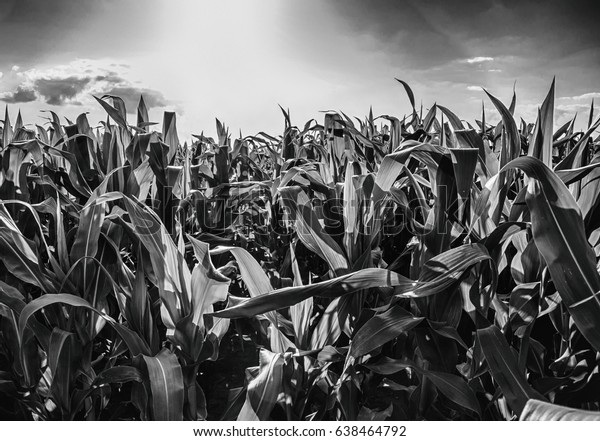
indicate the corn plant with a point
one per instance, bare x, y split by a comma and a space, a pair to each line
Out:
381, 268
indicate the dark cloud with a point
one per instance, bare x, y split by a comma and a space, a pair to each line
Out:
75, 84
131, 96
22, 94
431, 32
58, 91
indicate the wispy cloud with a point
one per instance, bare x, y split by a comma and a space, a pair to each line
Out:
75, 83
477, 60
585, 97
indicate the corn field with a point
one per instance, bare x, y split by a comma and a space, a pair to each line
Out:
414, 268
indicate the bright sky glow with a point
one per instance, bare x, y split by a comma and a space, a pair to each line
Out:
236, 60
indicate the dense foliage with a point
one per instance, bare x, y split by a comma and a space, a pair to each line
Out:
385, 268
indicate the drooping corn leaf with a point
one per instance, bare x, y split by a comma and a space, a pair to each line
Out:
505, 369
336, 287
114, 113
536, 410
135, 344
559, 234
451, 386
409, 92
454, 120
310, 232
382, 328
258, 284
118, 374
438, 274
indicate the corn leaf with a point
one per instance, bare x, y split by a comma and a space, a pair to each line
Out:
505, 370
135, 344
541, 147
536, 410
451, 386
559, 234
382, 328
263, 388
339, 286
166, 386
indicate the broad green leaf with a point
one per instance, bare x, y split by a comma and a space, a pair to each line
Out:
21, 260
64, 353
454, 120
135, 344
366, 414
513, 140
536, 410
451, 386
118, 374
258, 284
541, 144
142, 113
169, 133
559, 235
263, 388
301, 312
574, 159
569, 176
91, 218
382, 328
285, 297
114, 114
166, 262
409, 92
208, 285
454, 388
505, 370
310, 232
464, 162
7, 132
438, 274
166, 385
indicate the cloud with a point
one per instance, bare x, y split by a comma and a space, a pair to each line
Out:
474, 88
21, 95
585, 97
131, 96
565, 112
76, 82
58, 91
478, 60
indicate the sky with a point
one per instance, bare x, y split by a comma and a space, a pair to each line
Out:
238, 60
